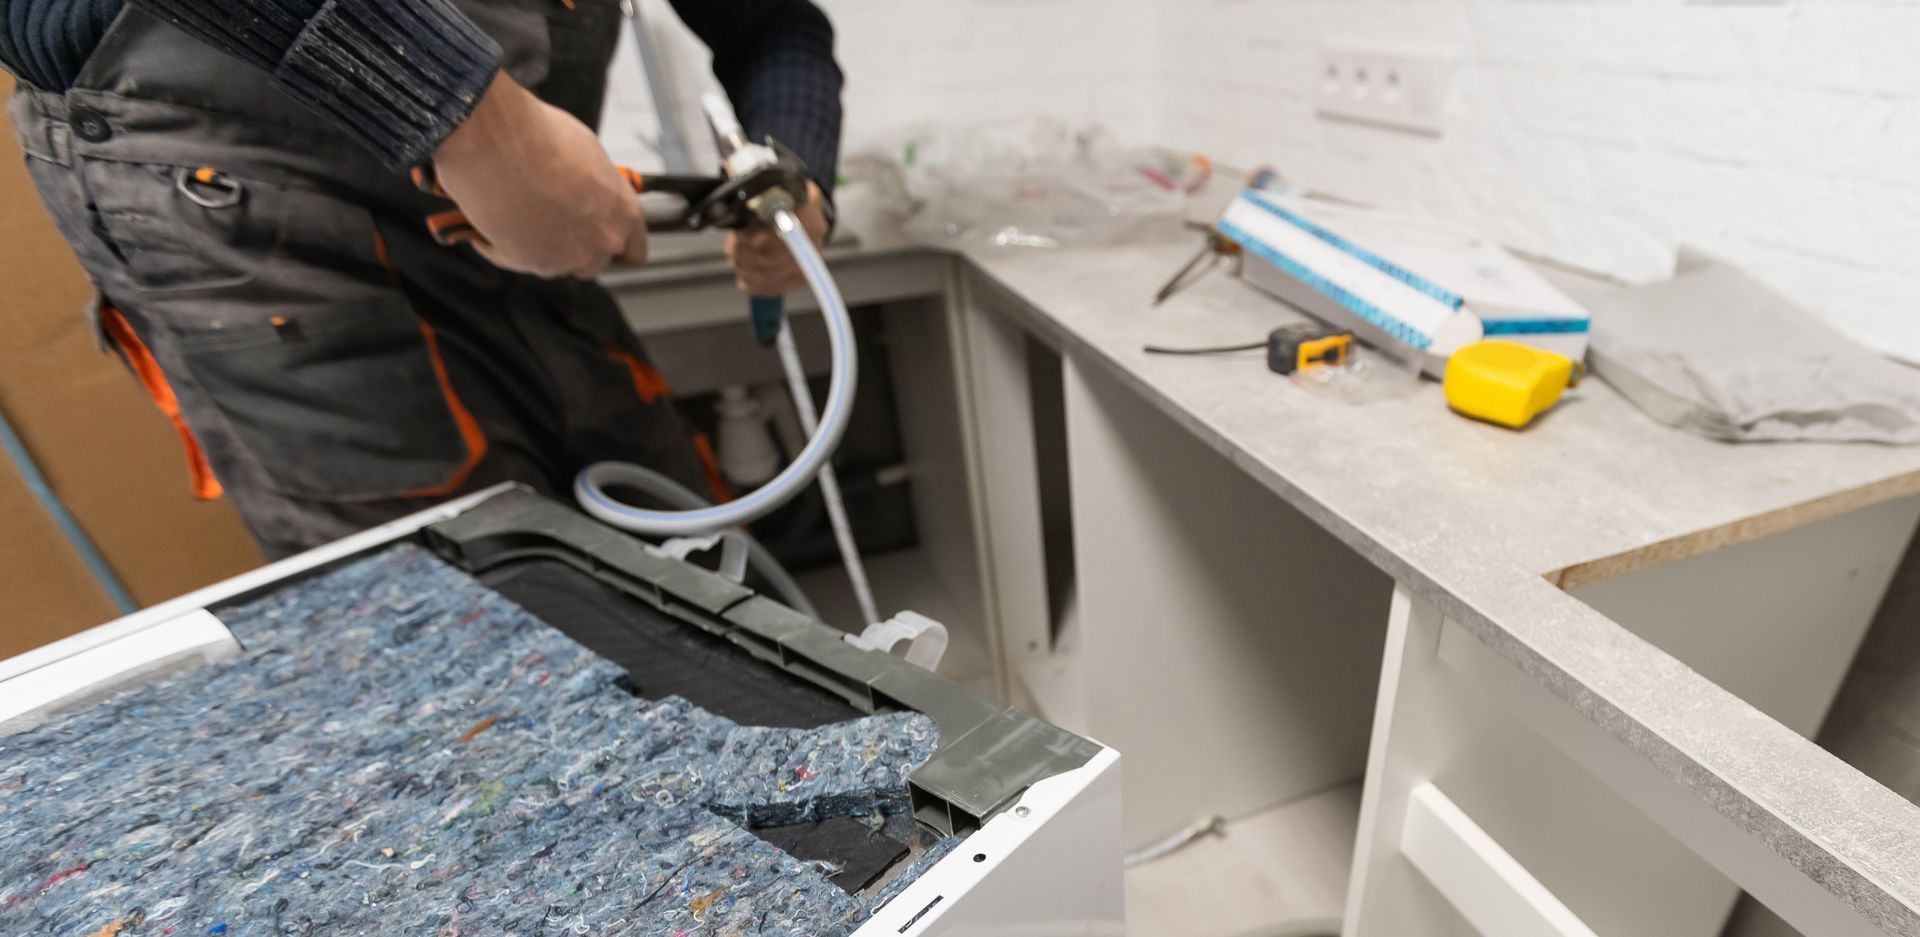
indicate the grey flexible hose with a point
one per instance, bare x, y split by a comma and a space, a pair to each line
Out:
589, 487
1205, 826
679, 497
1215, 826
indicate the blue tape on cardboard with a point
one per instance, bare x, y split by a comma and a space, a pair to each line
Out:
1419, 284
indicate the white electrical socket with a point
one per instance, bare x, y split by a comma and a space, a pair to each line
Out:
1401, 89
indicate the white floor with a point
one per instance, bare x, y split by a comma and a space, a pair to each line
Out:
1287, 866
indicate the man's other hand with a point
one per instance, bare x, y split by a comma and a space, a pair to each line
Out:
538, 186
762, 265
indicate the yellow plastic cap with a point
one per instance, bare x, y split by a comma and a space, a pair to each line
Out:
1505, 382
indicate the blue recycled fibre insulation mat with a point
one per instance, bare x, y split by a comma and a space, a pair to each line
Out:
401, 751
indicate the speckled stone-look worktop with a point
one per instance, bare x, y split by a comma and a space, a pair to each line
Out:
1489, 526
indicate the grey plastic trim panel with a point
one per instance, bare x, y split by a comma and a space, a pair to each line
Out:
989, 753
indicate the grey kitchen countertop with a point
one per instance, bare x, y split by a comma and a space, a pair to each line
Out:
1490, 525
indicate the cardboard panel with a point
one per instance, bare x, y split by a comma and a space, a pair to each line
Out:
111, 457
45, 591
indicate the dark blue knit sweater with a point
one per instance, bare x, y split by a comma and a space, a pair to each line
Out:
774, 57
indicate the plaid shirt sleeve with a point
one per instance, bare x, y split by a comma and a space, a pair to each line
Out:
775, 60
396, 76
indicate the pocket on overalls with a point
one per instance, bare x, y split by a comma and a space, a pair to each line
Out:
337, 402
186, 227
290, 324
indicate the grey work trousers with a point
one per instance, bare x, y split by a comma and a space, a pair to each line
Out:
330, 366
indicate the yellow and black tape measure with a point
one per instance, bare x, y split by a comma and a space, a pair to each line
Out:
1304, 347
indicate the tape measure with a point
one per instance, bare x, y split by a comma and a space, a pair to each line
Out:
1507, 383
1295, 348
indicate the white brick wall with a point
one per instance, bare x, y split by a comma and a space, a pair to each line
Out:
913, 62
1783, 135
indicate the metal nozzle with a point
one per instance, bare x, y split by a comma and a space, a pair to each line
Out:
727, 131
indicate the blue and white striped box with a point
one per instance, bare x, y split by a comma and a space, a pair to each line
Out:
1394, 279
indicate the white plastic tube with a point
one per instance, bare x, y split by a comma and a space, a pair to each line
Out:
829, 482
590, 487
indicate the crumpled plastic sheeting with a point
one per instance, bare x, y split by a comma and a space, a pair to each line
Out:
402, 751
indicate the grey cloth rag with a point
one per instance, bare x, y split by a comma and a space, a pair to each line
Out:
1713, 352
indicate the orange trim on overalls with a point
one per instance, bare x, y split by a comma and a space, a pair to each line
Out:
652, 388
647, 381
140, 358
710, 467
470, 432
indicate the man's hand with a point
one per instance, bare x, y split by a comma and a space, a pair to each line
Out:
762, 265
537, 184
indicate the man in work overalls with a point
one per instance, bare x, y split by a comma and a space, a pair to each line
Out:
232, 174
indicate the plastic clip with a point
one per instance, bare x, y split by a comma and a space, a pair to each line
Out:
733, 551
927, 638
